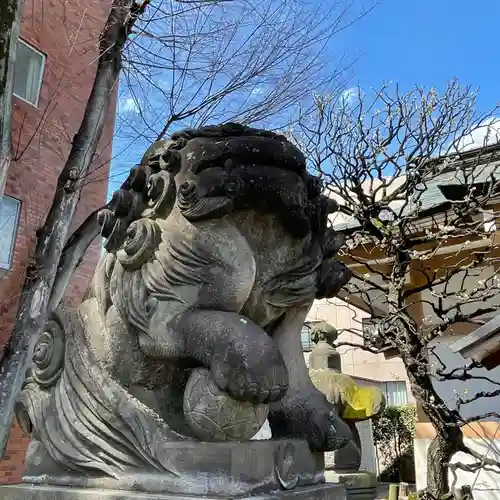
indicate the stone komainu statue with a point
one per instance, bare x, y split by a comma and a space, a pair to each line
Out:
189, 334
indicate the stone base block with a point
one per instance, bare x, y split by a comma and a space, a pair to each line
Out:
232, 469
222, 469
358, 485
36, 492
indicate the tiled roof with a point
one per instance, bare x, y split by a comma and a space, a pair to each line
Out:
432, 196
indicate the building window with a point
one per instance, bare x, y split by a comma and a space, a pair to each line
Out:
395, 393
370, 329
9, 221
28, 72
305, 337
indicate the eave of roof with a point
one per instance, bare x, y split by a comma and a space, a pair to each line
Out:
433, 201
482, 344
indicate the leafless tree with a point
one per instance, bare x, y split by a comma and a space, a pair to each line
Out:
238, 61
416, 177
10, 14
184, 62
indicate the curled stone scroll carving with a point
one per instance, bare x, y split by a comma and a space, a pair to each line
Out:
143, 238
48, 354
189, 334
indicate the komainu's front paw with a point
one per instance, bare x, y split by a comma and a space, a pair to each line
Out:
311, 417
250, 369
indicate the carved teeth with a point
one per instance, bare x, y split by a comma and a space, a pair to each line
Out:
155, 187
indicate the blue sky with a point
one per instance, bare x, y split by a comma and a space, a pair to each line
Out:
425, 42
428, 42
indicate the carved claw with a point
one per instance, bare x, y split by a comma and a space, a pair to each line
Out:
311, 417
252, 372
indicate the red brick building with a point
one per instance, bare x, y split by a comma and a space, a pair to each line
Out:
54, 72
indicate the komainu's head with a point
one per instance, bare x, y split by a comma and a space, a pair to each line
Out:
224, 171
213, 171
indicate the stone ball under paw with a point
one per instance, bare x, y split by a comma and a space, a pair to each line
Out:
213, 415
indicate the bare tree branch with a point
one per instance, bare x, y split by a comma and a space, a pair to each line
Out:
418, 205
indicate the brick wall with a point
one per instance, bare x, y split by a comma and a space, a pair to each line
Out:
67, 33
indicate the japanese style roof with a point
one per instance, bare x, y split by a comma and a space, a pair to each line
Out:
456, 174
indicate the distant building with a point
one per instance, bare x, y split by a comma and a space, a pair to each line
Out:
374, 370
474, 168
54, 72
388, 374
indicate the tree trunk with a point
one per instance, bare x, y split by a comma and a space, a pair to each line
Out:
33, 307
414, 354
448, 433
73, 253
10, 17
441, 451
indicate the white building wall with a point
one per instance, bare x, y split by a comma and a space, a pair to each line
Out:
485, 484
481, 437
356, 362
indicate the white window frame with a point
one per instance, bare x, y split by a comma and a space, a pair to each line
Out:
7, 266
385, 389
309, 347
42, 71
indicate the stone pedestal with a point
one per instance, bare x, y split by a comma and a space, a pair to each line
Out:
35, 492
271, 469
225, 469
358, 485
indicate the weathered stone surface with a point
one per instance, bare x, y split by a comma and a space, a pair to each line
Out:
212, 415
358, 402
324, 357
358, 485
31, 492
202, 468
216, 248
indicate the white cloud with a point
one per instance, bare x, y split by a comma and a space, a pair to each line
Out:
486, 134
349, 95
128, 105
